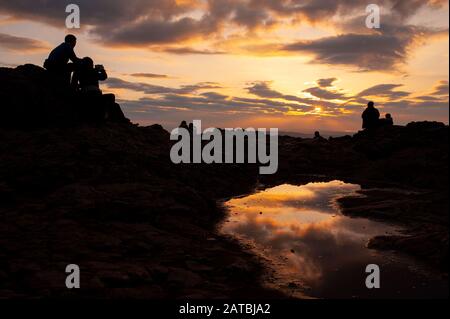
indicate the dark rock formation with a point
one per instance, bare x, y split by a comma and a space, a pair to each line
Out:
411, 156
31, 98
109, 199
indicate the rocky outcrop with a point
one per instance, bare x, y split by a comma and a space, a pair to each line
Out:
109, 199
31, 98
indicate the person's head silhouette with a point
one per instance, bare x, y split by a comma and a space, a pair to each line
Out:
389, 116
71, 40
88, 63
371, 105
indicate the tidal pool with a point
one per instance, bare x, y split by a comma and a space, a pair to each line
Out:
313, 250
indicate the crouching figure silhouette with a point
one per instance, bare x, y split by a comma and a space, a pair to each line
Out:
97, 107
387, 121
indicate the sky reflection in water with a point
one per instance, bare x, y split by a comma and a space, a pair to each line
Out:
311, 245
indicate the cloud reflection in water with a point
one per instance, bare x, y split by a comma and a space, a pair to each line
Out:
302, 232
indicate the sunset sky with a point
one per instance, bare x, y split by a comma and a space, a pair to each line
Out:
296, 65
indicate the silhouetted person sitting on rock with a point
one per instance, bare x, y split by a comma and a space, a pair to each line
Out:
57, 62
387, 121
184, 125
318, 137
99, 106
89, 77
371, 117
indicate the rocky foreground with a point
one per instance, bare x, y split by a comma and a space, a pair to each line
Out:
107, 198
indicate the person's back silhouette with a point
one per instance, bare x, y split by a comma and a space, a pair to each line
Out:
318, 137
57, 62
371, 117
389, 120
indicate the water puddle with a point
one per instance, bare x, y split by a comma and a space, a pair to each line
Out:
315, 251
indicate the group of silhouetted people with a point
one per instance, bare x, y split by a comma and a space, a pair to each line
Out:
371, 118
83, 77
